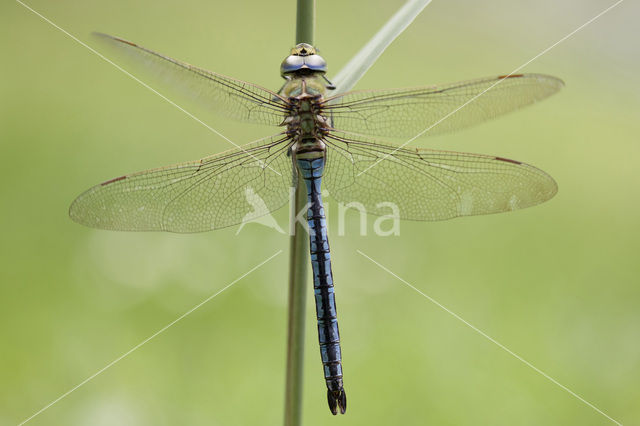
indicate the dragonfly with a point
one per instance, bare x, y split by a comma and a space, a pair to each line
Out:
325, 140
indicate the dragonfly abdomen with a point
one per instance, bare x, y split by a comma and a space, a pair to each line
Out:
311, 170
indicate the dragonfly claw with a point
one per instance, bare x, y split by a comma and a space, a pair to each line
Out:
337, 399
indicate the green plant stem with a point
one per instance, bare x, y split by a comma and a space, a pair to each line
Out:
297, 307
298, 261
305, 21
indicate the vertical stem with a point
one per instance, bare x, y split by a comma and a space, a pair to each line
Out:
299, 247
305, 21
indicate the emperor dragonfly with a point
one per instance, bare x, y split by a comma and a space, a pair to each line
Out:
323, 141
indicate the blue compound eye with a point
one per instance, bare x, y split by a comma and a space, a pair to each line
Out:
316, 63
292, 63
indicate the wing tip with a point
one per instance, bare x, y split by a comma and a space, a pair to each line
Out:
556, 80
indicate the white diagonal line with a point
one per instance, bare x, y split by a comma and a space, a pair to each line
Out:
492, 86
103, 369
74, 38
492, 340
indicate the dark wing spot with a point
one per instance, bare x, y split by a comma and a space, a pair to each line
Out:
121, 40
112, 180
508, 160
501, 77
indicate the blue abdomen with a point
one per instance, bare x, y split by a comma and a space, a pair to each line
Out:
311, 170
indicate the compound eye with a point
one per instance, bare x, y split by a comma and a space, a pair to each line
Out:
316, 63
291, 63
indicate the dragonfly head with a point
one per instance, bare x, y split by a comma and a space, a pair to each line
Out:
303, 58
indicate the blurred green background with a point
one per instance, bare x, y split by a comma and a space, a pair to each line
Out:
557, 284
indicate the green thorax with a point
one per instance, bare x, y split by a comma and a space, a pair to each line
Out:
312, 84
306, 123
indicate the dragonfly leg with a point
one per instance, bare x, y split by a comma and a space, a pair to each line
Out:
330, 85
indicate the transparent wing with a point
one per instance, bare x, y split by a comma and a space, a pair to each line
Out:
234, 98
212, 193
430, 185
407, 112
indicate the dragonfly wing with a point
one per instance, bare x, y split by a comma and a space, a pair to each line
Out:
212, 193
435, 110
234, 98
422, 184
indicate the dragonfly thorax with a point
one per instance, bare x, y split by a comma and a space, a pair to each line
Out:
305, 121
